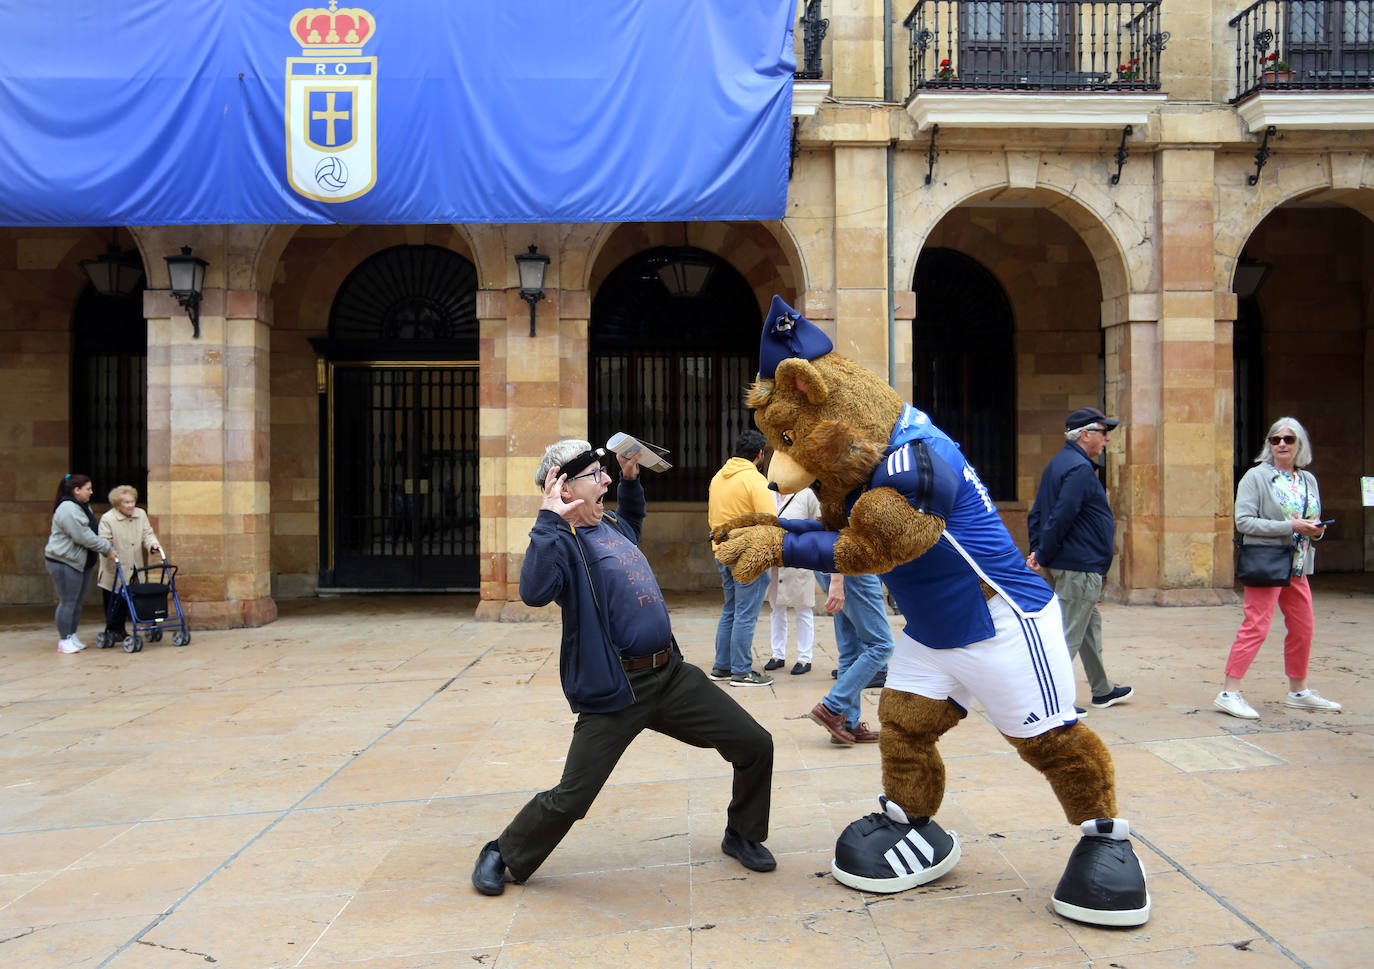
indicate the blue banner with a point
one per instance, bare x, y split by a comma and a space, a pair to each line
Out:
149, 112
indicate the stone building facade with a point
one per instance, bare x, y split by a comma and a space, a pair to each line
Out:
1120, 292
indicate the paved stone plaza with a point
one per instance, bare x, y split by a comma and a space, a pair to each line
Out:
313, 793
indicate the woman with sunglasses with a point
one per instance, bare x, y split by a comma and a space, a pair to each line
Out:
1277, 503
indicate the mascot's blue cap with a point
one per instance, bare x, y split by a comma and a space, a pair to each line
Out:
786, 333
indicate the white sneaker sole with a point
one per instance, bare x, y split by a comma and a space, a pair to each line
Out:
1240, 716
1138, 916
886, 886
1335, 708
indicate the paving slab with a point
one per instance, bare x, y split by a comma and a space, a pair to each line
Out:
313, 793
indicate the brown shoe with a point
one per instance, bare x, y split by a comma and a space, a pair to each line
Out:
833, 722
862, 735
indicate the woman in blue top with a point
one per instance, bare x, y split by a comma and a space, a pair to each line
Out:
70, 555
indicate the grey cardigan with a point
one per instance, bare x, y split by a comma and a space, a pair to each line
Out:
1261, 520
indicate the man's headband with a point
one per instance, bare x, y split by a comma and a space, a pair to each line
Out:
578, 463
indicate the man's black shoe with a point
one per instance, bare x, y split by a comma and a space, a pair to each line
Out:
774, 664
489, 874
878, 682
750, 854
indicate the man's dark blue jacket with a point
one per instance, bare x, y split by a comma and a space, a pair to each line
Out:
589, 665
1071, 525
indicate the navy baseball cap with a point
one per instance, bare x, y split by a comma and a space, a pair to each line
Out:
786, 333
1088, 415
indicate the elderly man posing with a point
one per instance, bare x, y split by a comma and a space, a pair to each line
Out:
1072, 541
620, 666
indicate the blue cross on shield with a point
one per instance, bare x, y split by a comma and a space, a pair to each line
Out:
329, 119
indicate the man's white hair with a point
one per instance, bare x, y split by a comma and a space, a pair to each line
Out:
558, 454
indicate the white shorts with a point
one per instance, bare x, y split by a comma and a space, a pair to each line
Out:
1022, 676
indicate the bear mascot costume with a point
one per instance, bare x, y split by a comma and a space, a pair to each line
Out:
898, 499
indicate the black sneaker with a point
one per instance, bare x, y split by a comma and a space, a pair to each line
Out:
774, 664
751, 854
719, 674
1104, 883
884, 852
1114, 695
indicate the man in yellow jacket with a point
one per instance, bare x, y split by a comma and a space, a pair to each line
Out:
739, 488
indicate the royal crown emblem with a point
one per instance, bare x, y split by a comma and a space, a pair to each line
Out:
332, 31
331, 99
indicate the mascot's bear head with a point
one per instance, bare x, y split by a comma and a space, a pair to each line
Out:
827, 418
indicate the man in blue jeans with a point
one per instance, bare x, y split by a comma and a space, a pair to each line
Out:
864, 639
739, 488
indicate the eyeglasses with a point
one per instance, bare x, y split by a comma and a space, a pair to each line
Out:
1089, 430
1283, 439
594, 474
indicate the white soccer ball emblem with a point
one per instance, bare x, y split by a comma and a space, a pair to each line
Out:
331, 174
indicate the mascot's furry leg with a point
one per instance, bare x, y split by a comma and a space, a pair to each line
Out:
1104, 882
900, 847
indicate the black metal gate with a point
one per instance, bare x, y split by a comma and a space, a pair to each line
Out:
403, 476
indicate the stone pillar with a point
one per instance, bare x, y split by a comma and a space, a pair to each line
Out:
1195, 430
209, 408
534, 392
861, 255
1133, 472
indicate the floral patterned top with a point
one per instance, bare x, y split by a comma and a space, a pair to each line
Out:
1295, 498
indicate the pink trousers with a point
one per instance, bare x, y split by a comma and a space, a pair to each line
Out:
1295, 599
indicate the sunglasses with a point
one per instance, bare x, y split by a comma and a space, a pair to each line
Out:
1282, 439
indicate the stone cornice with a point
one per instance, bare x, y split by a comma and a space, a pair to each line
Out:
1324, 110
1017, 109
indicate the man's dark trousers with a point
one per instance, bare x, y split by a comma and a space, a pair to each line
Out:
677, 700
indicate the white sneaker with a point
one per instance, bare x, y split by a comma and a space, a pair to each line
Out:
1312, 701
1235, 705
79, 643
69, 645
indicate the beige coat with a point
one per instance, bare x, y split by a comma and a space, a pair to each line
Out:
131, 537
794, 587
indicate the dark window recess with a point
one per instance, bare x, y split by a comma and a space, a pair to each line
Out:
963, 365
109, 385
1247, 359
673, 348
412, 293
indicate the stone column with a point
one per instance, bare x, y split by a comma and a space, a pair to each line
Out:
534, 392
209, 408
1133, 473
861, 255
1195, 429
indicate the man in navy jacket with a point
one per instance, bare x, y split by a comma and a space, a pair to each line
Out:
620, 667
1072, 541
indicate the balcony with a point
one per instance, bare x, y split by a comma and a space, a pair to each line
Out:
1305, 64
1057, 63
808, 87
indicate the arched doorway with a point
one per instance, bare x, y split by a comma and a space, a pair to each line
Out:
109, 416
400, 435
963, 371
674, 343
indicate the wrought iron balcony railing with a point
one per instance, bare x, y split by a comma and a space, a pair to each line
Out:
1304, 45
1036, 45
814, 27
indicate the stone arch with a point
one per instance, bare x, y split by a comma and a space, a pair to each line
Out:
1340, 177
755, 249
336, 255
1114, 227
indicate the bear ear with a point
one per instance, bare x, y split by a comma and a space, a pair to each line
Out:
759, 393
806, 377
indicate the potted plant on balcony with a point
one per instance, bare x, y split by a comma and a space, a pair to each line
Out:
1275, 70
1129, 72
944, 73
